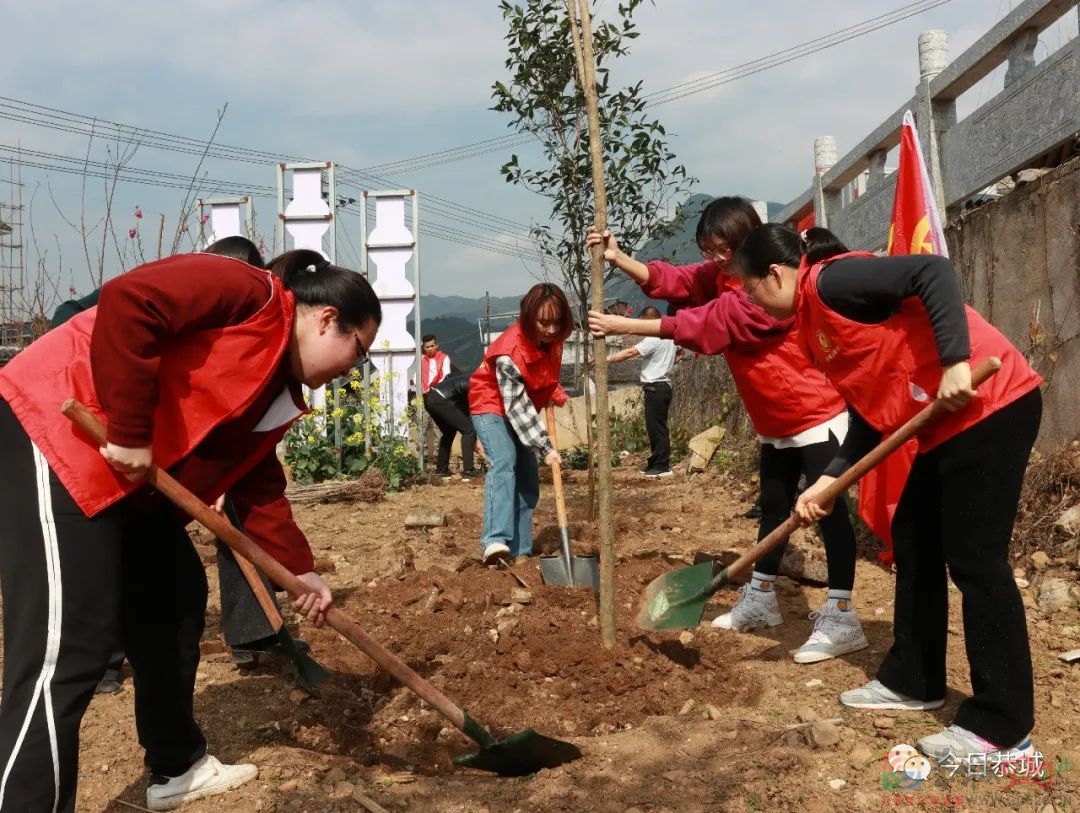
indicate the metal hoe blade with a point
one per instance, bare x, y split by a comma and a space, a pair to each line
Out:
520, 754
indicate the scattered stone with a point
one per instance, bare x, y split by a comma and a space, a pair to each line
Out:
824, 734
549, 668
1039, 560
104, 767
685, 637
814, 683
703, 446
1056, 698
519, 595
523, 660
424, 519
509, 610
289, 786
884, 723
712, 712
1071, 656
879, 611
493, 634
335, 774
1054, 596
860, 756
807, 715
1068, 524
687, 707
804, 562
836, 784
298, 696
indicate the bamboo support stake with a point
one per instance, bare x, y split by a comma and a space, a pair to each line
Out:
581, 31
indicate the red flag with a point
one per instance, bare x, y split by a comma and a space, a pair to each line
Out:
915, 229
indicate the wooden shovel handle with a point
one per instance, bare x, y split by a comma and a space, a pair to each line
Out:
833, 491
556, 470
275, 571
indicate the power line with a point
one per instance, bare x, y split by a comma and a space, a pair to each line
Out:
790, 54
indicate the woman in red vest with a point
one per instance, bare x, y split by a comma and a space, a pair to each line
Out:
891, 333
194, 362
800, 419
517, 379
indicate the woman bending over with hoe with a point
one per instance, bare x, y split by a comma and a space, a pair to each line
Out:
195, 363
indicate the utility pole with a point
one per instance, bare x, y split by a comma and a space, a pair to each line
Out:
487, 320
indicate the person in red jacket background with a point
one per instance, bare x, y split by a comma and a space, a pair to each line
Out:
517, 379
194, 362
798, 416
890, 333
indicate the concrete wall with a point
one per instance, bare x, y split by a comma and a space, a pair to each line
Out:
1019, 265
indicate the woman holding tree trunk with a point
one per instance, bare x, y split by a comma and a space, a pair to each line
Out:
800, 419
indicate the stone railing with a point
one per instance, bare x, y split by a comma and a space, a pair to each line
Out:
1033, 121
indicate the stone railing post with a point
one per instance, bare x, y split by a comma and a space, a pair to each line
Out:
933, 118
824, 159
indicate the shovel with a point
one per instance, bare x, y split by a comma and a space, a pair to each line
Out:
308, 672
676, 600
566, 569
517, 755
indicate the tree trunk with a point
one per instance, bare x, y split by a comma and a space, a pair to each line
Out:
583, 49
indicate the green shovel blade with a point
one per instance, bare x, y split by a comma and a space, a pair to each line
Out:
676, 600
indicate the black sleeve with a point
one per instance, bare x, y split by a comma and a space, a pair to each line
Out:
861, 438
870, 289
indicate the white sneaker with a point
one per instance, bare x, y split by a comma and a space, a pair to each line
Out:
495, 550
960, 745
207, 777
836, 632
876, 695
753, 609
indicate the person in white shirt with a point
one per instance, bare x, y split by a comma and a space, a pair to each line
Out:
658, 357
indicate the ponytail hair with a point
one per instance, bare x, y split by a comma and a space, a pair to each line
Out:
770, 244
315, 282
820, 244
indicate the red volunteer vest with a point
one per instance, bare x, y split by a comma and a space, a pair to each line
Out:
889, 371
539, 368
208, 378
427, 381
784, 393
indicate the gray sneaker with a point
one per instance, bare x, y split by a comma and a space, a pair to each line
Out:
836, 632
965, 747
875, 695
752, 610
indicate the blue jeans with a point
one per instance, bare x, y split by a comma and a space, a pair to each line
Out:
511, 486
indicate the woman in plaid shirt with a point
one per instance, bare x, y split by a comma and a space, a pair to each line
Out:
518, 377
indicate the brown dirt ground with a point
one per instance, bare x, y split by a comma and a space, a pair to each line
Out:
541, 665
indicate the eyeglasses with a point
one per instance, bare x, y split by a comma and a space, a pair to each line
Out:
754, 287
363, 356
719, 252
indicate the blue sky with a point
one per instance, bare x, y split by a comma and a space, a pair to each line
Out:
365, 83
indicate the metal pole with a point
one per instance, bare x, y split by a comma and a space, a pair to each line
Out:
421, 414
366, 400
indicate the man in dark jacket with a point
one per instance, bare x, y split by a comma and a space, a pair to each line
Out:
448, 405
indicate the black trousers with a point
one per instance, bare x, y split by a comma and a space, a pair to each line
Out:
780, 472
73, 590
957, 511
657, 402
451, 420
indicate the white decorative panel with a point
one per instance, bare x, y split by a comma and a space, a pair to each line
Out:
306, 222
389, 248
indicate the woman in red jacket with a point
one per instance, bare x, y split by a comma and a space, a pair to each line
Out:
517, 379
799, 417
193, 362
890, 333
